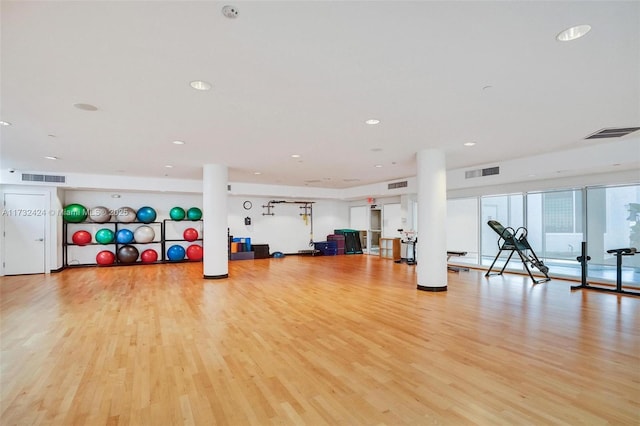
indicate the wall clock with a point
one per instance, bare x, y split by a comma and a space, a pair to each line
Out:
247, 205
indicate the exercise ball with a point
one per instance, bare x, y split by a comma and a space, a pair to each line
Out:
105, 236
127, 254
74, 213
149, 256
176, 252
105, 257
100, 214
124, 236
194, 252
125, 214
278, 255
190, 234
81, 238
146, 214
177, 213
194, 213
144, 234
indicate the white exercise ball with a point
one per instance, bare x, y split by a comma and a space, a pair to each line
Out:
144, 234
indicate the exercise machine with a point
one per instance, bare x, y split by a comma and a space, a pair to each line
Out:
456, 254
618, 253
516, 242
410, 239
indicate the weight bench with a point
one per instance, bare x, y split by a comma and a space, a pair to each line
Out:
516, 242
456, 254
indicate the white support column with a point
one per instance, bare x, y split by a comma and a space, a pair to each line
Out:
214, 215
432, 216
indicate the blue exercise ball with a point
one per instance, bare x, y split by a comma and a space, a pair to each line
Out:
146, 214
278, 255
176, 252
124, 236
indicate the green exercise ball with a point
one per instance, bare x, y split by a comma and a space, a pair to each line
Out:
74, 213
194, 213
177, 213
105, 236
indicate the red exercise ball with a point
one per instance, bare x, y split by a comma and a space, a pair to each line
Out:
194, 252
149, 256
105, 257
81, 238
190, 234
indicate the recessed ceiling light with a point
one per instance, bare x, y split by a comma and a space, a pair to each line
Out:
169, 166
372, 121
573, 33
178, 142
86, 107
469, 143
378, 166
295, 155
116, 195
257, 173
200, 85
50, 157
5, 123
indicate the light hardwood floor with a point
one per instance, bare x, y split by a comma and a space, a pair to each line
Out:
341, 340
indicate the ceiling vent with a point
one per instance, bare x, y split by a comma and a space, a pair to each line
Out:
489, 171
28, 177
612, 132
397, 185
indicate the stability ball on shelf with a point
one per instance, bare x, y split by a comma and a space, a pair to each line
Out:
105, 257
105, 236
124, 236
144, 234
190, 234
176, 252
194, 252
81, 238
127, 254
146, 214
177, 213
194, 213
74, 213
125, 214
149, 256
100, 214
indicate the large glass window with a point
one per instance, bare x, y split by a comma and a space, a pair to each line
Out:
462, 229
509, 211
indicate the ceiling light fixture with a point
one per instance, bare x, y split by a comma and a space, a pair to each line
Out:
116, 195
200, 85
257, 173
5, 123
178, 142
378, 166
469, 143
573, 33
372, 121
86, 107
50, 157
295, 155
169, 166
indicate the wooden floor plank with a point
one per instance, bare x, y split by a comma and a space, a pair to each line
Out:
312, 340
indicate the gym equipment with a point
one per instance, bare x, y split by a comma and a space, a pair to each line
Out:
194, 252
144, 234
105, 236
352, 244
410, 239
618, 253
146, 214
74, 213
307, 215
516, 241
127, 254
194, 213
149, 256
81, 238
456, 268
177, 213
190, 234
175, 252
125, 215
278, 254
124, 236
105, 257
100, 214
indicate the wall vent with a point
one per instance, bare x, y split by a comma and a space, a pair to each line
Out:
489, 171
612, 132
396, 185
28, 177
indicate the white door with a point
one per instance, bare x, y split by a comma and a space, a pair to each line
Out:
24, 233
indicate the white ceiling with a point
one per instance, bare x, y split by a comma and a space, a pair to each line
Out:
302, 77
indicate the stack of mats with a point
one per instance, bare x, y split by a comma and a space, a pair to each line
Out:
327, 248
340, 241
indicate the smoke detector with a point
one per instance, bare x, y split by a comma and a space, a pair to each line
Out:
230, 12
